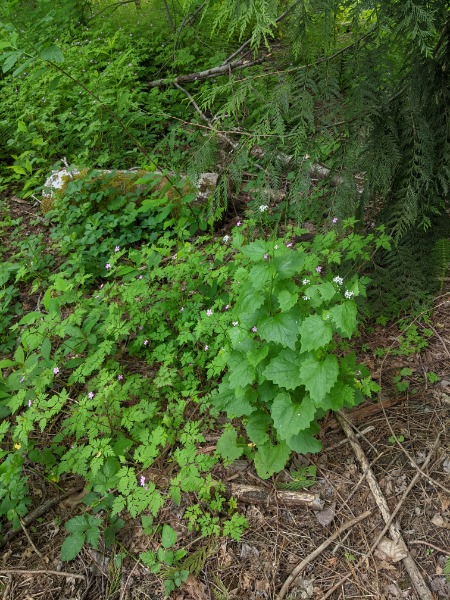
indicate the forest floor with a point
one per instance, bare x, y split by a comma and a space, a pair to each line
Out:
280, 536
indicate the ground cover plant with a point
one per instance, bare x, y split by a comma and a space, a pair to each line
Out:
138, 321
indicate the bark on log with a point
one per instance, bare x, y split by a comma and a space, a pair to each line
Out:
251, 494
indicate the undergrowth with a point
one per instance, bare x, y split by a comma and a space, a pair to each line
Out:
114, 375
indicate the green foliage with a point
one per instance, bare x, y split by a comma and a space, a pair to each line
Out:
302, 479
284, 351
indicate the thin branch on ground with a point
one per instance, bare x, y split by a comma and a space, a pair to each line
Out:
204, 117
299, 568
38, 512
410, 566
424, 543
41, 572
30, 541
345, 441
399, 445
405, 495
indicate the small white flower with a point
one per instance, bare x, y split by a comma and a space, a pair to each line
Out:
305, 281
235, 323
338, 280
276, 246
305, 297
263, 208
225, 238
348, 294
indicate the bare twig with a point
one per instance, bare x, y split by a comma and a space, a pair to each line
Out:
112, 7
214, 72
204, 117
35, 514
42, 572
30, 541
410, 566
405, 495
345, 441
296, 572
424, 543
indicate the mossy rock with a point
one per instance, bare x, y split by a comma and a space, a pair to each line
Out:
113, 185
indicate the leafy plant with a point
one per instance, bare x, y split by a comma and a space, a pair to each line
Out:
400, 383
284, 353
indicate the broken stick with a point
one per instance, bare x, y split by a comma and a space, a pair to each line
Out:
299, 568
251, 494
416, 577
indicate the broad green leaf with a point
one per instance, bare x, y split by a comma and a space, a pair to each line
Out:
52, 54
72, 545
304, 443
19, 355
9, 59
327, 291
31, 317
54, 83
257, 425
249, 300
319, 376
284, 370
315, 333
255, 356
291, 417
227, 445
46, 348
23, 66
281, 329
255, 251
289, 263
168, 536
270, 459
286, 300
260, 274
241, 339
93, 534
344, 316
75, 524
242, 373
6, 362
227, 400
340, 395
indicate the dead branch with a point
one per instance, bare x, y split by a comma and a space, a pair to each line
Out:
360, 413
299, 568
251, 494
405, 495
38, 512
213, 72
42, 572
410, 566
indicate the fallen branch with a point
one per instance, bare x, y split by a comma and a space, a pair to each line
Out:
359, 414
38, 512
41, 572
251, 494
299, 568
214, 72
416, 577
